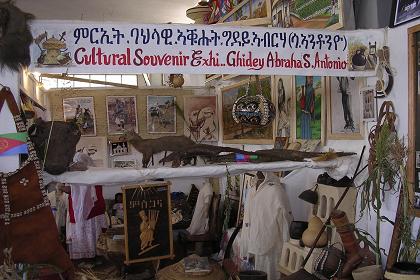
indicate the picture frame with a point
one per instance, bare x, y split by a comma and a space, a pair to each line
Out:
161, 114
243, 13
403, 12
281, 142
233, 133
96, 148
124, 163
344, 110
147, 227
82, 111
283, 92
200, 115
118, 148
121, 114
309, 112
368, 103
283, 14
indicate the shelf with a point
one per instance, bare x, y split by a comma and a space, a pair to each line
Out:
112, 176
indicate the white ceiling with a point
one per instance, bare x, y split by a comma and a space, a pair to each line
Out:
141, 11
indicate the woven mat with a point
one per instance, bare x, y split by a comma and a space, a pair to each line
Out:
176, 272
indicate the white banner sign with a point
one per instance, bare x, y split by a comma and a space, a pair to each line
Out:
89, 47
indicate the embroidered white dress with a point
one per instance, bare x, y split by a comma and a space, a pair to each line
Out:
200, 220
267, 217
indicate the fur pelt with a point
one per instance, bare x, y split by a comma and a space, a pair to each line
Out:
15, 36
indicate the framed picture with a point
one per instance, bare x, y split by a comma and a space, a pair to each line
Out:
118, 148
259, 8
82, 111
283, 92
200, 114
147, 227
161, 114
307, 14
281, 142
96, 148
234, 133
362, 53
404, 11
368, 103
128, 163
244, 12
121, 114
344, 114
309, 108
417, 159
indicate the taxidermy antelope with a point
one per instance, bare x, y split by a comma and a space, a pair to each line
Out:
15, 36
149, 147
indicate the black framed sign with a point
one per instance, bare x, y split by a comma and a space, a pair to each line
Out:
404, 11
147, 227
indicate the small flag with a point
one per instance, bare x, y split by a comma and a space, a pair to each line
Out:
13, 143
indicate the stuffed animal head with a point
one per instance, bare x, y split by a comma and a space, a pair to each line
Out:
15, 36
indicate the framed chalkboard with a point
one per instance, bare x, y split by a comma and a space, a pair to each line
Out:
147, 227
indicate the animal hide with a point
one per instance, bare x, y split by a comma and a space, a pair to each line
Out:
15, 36
61, 146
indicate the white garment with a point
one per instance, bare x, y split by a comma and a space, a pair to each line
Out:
59, 204
82, 235
267, 217
200, 220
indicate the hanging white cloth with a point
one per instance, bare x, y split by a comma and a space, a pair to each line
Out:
200, 220
82, 235
267, 217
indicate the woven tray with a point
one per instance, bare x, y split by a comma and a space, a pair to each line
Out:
176, 272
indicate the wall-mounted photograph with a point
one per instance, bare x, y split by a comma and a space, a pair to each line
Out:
95, 148
161, 114
344, 109
127, 163
200, 115
404, 11
309, 108
118, 148
283, 92
121, 114
368, 103
82, 111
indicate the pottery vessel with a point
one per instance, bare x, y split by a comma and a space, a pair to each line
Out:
314, 227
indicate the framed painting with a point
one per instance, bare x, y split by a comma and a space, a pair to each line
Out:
82, 111
283, 92
344, 113
200, 115
307, 14
147, 227
124, 163
118, 148
404, 11
234, 133
121, 114
95, 148
368, 103
309, 108
161, 114
259, 8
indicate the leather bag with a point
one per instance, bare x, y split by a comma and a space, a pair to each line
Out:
27, 225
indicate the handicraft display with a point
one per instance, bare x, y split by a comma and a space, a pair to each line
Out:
235, 133
161, 114
147, 227
200, 115
344, 109
82, 111
121, 114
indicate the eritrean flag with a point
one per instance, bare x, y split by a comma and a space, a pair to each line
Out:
13, 143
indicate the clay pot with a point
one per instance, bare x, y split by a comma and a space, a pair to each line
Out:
346, 231
372, 272
314, 227
359, 60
